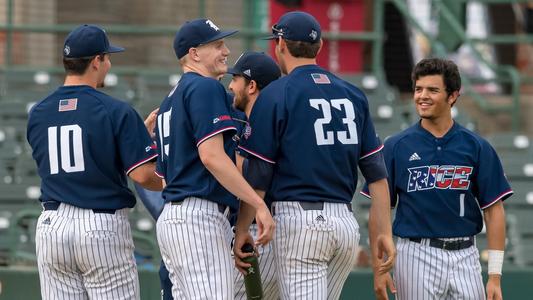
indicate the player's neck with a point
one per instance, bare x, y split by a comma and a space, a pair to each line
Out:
199, 69
293, 63
250, 105
80, 80
437, 127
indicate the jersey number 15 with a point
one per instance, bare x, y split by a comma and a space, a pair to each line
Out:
344, 137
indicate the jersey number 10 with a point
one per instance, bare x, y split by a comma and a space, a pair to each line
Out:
69, 135
344, 137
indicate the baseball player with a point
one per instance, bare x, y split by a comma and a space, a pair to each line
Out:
252, 72
85, 143
310, 131
443, 180
194, 135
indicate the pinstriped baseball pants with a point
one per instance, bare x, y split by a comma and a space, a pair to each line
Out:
194, 239
85, 255
314, 250
267, 268
427, 273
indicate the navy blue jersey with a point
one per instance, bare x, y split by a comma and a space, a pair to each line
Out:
440, 185
195, 110
85, 143
315, 128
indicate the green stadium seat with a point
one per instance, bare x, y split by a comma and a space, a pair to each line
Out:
119, 87
153, 88
27, 86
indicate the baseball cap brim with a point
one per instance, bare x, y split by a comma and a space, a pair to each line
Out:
114, 49
233, 71
219, 36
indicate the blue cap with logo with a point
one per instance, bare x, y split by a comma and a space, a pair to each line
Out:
86, 41
256, 66
196, 33
297, 26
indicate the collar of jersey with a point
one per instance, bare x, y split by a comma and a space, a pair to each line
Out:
428, 134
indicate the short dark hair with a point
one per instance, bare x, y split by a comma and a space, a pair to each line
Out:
438, 66
303, 49
78, 66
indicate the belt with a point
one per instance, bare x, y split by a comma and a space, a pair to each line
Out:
54, 205
307, 205
447, 245
221, 207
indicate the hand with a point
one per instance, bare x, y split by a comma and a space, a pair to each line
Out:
386, 249
242, 237
265, 225
381, 283
494, 290
149, 122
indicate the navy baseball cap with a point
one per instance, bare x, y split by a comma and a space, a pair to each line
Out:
256, 66
196, 33
86, 41
297, 26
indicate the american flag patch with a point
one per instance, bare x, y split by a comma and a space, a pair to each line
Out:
320, 78
68, 104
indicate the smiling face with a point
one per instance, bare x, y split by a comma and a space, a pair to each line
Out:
213, 57
239, 87
432, 101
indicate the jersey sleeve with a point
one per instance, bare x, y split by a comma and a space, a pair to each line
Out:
262, 138
370, 143
134, 143
159, 166
388, 156
491, 184
209, 111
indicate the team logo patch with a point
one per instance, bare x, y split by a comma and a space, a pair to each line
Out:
320, 78
66, 50
313, 34
221, 118
247, 131
212, 25
439, 177
68, 104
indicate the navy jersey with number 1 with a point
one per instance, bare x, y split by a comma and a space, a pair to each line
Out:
314, 128
440, 185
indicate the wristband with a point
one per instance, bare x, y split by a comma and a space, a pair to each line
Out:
495, 261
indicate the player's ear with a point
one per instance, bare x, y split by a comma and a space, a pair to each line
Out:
95, 62
252, 87
320, 48
452, 98
193, 54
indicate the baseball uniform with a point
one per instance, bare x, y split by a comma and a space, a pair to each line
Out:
85, 143
314, 128
439, 187
193, 231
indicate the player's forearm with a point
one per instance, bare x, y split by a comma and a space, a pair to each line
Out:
145, 176
495, 223
245, 217
379, 223
222, 168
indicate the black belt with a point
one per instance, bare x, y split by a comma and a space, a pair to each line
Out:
221, 207
447, 245
307, 205
54, 205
